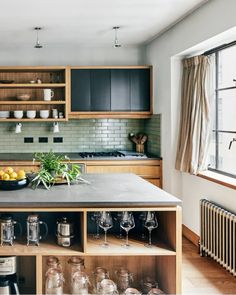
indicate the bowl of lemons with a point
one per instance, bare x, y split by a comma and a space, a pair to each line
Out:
12, 180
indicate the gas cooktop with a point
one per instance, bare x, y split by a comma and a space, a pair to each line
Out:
113, 154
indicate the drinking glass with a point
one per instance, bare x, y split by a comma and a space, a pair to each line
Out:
127, 223
95, 218
142, 218
150, 223
118, 218
105, 222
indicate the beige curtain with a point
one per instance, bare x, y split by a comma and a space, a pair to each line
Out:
195, 116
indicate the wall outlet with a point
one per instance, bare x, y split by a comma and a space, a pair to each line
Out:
43, 139
28, 139
57, 139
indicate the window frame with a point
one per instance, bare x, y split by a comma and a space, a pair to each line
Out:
216, 130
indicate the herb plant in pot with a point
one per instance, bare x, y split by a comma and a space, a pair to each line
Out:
55, 169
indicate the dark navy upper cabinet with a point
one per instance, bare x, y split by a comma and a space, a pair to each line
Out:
100, 90
140, 89
120, 90
80, 90
115, 90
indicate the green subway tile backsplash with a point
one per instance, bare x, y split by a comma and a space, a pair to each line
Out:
80, 135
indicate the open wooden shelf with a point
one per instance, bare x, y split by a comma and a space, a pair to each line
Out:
33, 120
33, 85
115, 247
32, 102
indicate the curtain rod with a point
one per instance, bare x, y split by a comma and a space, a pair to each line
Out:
224, 46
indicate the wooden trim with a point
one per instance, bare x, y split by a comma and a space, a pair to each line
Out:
218, 181
110, 115
33, 120
178, 250
32, 102
151, 90
111, 67
29, 68
190, 235
39, 274
28, 85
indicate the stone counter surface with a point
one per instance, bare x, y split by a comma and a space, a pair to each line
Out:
104, 190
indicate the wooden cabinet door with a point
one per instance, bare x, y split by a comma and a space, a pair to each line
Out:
80, 90
120, 90
140, 89
100, 90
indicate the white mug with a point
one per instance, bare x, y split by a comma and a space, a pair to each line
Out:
48, 94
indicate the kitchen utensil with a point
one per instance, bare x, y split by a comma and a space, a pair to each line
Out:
8, 278
18, 114
44, 114
7, 229
31, 114
140, 148
48, 94
65, 233
33, 229
23, 97
11, 185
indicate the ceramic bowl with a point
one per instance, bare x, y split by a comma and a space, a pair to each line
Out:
31, 114
23, 97
44, 114
4, 114
11, 185
18, 114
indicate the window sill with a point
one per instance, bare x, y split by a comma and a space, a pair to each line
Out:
218, 178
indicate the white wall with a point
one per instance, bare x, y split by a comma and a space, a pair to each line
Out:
213, 18
71, 56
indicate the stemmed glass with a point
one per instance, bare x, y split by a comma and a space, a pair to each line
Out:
95, 218
118, 218
105, 222
127, 223
142, 218
150, 223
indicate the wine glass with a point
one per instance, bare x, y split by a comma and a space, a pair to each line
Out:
95, 218
150, 223
118, 218
127, 223
105, 222
142, 218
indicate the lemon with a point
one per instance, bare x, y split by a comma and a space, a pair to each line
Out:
5, 176
1, 173
9, 170
13, 175
20, 174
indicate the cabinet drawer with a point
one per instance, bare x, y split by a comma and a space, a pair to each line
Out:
152, 171
155, 181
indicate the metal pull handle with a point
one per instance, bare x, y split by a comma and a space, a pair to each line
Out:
46, 230
230, 144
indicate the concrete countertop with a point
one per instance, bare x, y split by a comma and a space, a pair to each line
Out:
73, 156
104, 190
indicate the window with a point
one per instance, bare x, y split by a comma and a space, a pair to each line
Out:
222, 157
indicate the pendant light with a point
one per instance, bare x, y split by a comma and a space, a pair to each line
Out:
38, 44
116, 42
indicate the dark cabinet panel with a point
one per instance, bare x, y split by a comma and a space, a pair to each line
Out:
120, 90
100, 90
80, 90
140, 89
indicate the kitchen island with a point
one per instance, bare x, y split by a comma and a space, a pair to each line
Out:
105, 192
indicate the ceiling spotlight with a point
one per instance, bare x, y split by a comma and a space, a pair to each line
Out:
116, 42
38, 44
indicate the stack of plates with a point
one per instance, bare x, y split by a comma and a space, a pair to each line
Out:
4, 114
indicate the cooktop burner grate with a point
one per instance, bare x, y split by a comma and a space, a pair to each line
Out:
112, 154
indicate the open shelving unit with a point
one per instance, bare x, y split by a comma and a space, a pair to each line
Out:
163, 261
55, 78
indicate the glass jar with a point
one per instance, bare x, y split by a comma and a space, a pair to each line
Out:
155, 291
80, 283
54, 282
132, 291
53, 262
147, 284
99, 274
124, 279
107, 287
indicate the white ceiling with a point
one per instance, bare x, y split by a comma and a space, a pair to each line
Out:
88, 22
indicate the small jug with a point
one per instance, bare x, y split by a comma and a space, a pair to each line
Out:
33, 230
7, 229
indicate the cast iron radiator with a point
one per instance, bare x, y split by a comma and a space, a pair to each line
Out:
218, 234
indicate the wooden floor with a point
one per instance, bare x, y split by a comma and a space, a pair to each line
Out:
202, 275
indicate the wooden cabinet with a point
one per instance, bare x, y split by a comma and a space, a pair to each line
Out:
161, 262
15, 81
150, 170
116, 92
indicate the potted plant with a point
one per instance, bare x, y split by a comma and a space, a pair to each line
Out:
55, 169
